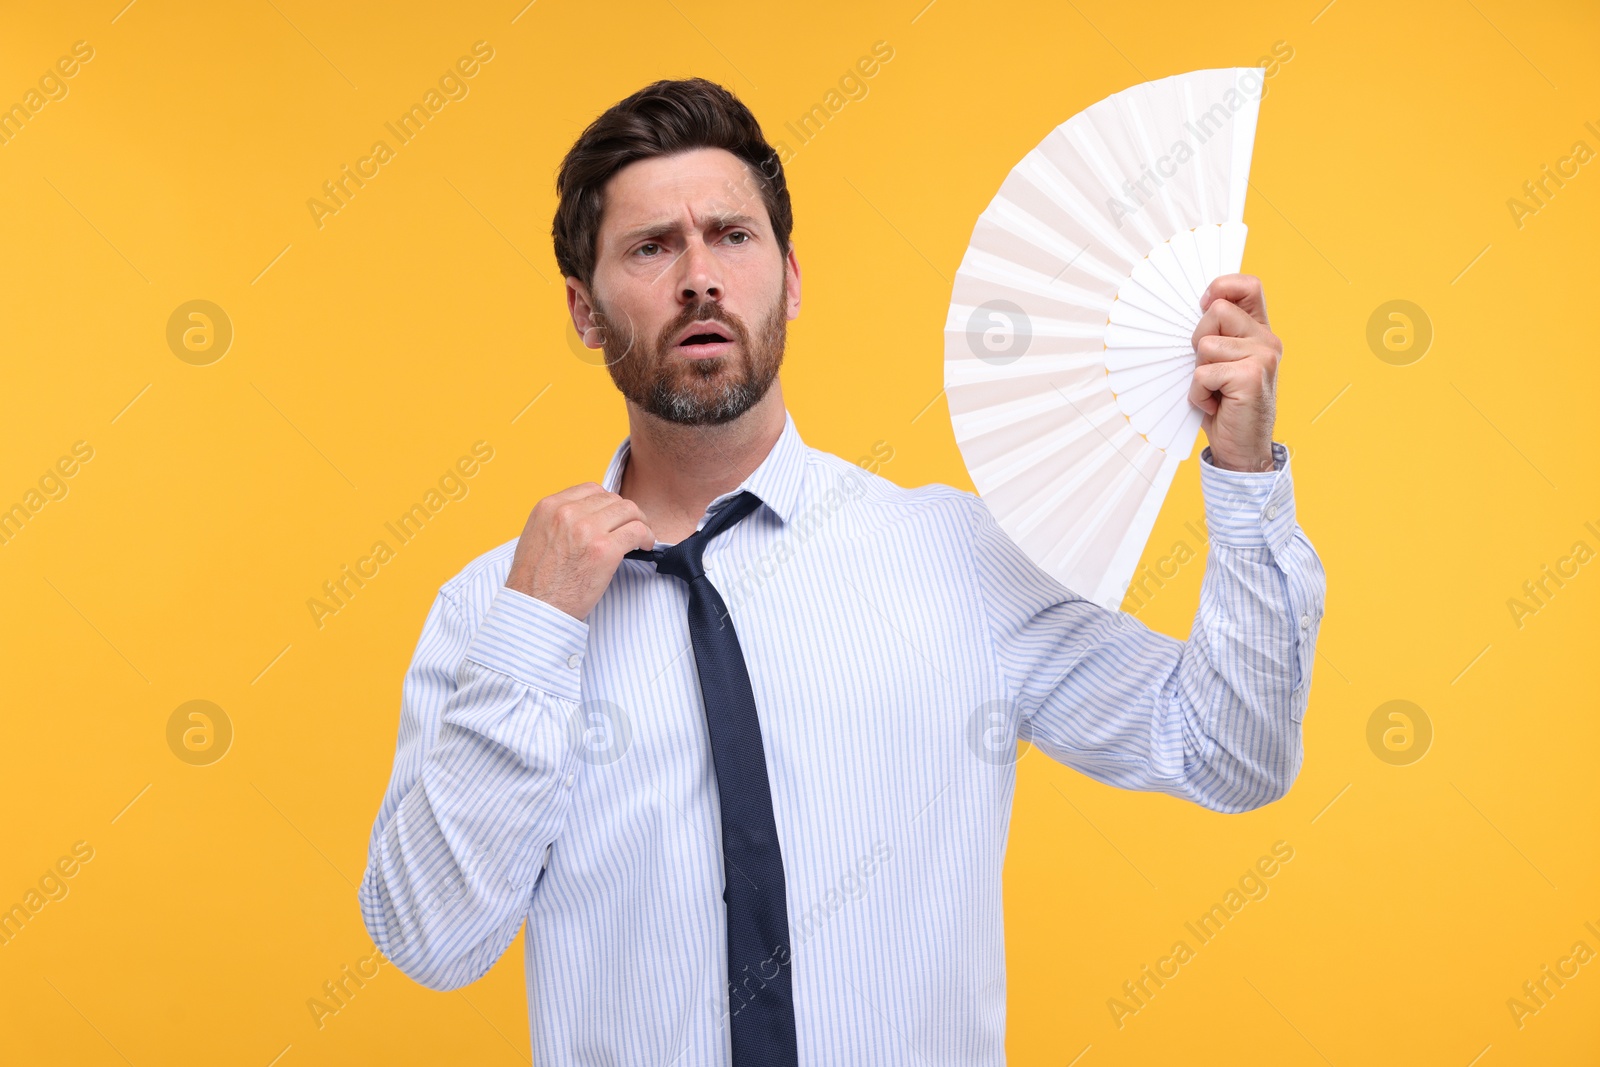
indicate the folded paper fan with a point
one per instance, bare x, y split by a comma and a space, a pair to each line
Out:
1067, 354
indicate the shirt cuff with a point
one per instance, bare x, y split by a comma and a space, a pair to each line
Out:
1249, 509
536, 643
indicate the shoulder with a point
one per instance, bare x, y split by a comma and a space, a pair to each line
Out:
473, 588
876, 502
942, 518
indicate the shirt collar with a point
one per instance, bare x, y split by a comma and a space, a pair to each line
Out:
777, 481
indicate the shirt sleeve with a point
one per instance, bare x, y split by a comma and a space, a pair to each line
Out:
480, 786
1215, 719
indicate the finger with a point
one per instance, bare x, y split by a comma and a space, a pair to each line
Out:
1228, 319
596, 518
1213, 382
1202, 390
1235, 380
571, 510
581, 491
1244, 290
616, 513
1222, 349
632, 535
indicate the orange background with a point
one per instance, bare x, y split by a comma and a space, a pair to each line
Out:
371, 352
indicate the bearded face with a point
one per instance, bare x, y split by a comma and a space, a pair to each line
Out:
691, 289
699, 381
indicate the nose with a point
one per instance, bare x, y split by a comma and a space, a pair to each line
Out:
701, 274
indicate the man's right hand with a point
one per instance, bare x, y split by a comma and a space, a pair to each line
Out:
572, 545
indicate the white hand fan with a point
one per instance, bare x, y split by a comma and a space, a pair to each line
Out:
1067, 355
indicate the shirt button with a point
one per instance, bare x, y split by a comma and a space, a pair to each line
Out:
570, 779
574, 659
1305, 622
1272, 511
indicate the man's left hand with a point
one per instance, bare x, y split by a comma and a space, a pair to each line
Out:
1236, 373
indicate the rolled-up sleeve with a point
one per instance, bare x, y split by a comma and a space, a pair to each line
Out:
478, 791
1215, 719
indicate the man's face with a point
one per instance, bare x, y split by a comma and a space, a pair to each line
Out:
686, 254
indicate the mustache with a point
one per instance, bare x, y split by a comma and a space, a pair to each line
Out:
706, 311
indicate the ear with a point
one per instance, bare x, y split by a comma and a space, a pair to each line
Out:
584, 318
791, 281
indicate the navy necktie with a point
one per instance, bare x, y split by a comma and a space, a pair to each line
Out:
760, 1002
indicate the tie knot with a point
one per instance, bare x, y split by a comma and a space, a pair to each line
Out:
683, 560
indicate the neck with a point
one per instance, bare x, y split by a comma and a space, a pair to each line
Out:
673, 471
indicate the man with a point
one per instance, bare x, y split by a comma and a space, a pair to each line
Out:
733, 732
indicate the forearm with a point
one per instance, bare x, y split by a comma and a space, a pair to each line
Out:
479, 795
1244, 680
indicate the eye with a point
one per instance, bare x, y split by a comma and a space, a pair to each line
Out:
739, 233
647, 244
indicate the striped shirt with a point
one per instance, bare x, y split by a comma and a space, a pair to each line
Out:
557, 772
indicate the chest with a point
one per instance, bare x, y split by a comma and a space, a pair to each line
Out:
861, 654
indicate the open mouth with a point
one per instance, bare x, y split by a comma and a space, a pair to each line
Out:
702, 340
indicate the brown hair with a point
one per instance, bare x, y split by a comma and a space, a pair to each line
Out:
663, 118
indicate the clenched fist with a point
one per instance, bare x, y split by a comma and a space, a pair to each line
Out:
1236, 373
573, 544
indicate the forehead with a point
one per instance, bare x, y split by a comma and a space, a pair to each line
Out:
698, 182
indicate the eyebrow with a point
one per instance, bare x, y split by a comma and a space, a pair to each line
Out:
719, 221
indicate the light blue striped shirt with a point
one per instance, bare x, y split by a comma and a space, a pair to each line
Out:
558, 772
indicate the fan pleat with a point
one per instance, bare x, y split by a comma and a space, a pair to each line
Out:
1178, 415
1146, 402
1121, 336
1148, 277
1080, 146
1135, 300
1188, 258
1117, 359
1124, 380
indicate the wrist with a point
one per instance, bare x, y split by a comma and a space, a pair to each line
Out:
1258, 463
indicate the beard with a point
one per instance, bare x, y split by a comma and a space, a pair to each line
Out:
697, 392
